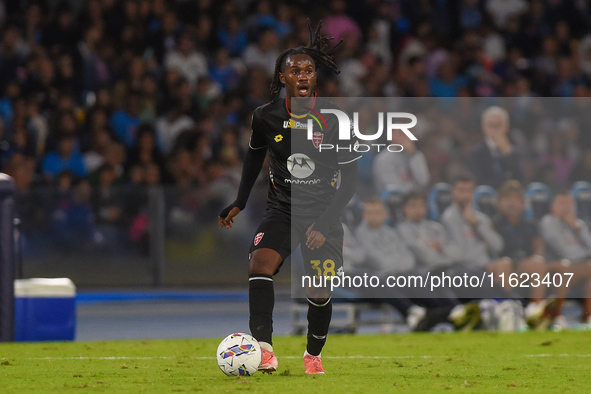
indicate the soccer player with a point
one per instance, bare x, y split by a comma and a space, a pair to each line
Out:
306, 214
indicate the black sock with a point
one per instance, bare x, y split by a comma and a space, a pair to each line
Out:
319, 315
261, 300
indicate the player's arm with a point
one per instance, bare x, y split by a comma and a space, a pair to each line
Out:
253, 162
317, 231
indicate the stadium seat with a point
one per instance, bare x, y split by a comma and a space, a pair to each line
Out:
439, 199
581, 192
538, 199
485, 200
392, 198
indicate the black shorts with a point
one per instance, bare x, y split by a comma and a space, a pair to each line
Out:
283, 234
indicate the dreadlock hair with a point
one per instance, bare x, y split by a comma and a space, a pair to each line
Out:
318, 49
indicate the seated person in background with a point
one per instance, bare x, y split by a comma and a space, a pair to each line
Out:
407, 169
568, 248
426, 239
473, 233
525, 249
385, 253
495, 160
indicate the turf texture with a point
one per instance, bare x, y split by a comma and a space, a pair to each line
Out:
466, 362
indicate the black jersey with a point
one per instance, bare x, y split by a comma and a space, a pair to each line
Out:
303, 171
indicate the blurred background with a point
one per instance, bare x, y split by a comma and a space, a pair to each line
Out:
124, 122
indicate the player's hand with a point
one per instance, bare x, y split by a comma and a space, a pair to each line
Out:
229, 219
315, 238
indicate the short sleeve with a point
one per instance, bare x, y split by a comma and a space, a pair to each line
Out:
257, 137
347, 149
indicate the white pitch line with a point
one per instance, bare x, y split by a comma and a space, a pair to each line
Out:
283, 357
557, 355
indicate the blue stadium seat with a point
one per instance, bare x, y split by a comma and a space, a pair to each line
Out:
485, 200
538, 198
439, 199
581, 192
392, 198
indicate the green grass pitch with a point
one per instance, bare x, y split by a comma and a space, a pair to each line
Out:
467, 362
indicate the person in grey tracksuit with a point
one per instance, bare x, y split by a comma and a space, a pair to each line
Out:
427, 239
406, 169
568, 249
478, 242
470, 230
382, 252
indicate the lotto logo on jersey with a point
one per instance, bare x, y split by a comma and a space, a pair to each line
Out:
257, 238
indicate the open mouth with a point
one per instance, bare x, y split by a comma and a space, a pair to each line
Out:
303, 90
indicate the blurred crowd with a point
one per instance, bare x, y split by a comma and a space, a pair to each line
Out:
161, 91
99, 94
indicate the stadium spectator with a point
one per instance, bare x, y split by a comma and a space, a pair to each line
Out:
406, 169
264, 52
169, 126
583, 170
232, 36
568, 248
338, 24
73, 219
65, 158
106, 198
125, 121
223, 71
101, 139
495, 160
146, 150
186, 59
560, 162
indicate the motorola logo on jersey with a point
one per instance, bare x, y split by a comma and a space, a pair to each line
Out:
300, 165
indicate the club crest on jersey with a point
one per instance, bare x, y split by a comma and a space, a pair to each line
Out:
317, 138
257, 238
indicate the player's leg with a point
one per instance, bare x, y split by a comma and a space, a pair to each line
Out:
325, 261
271, 245
261, 300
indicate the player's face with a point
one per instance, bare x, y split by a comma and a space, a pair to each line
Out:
415, 210
299, 76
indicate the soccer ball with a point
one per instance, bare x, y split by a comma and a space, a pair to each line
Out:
239, 355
